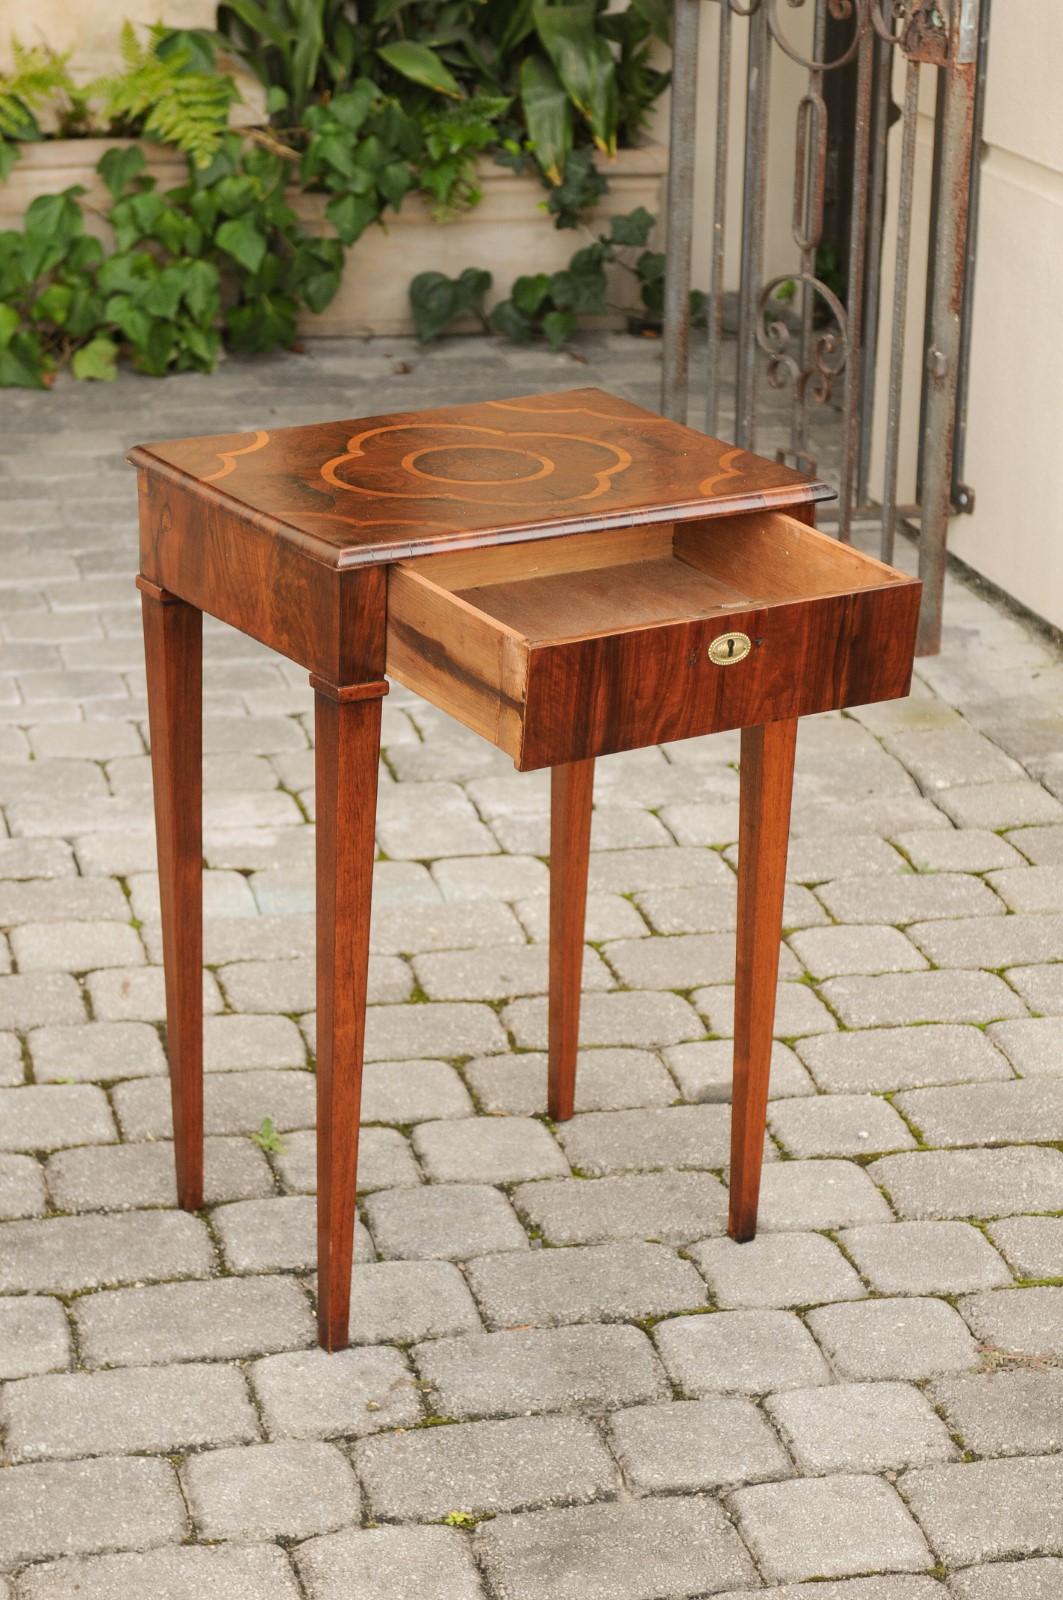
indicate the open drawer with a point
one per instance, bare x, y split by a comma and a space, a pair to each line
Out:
564, 648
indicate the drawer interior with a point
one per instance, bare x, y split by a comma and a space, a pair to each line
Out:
586, 585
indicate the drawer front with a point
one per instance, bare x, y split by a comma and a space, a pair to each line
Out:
590, 697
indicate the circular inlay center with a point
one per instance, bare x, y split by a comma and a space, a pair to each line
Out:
478, 463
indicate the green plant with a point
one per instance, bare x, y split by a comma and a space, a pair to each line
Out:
548, 304
436, 300
267, 1138
218, 259
454, 135
38, 79
169, 90
570, 71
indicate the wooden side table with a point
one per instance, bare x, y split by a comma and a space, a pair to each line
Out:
566, 574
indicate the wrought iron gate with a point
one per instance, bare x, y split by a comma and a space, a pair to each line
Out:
818, 343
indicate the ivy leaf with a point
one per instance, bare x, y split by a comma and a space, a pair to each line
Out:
350, 215
164, 295
53, 305
433, 304
635, 228
528, 293
119, 167
351, 108
9, 321
262, 323
557, 325
201, 287
9, 154
97, 360
511, 323
421, 65
130, 318
86, 311
23, 363
240, 239
394, 181
126, 273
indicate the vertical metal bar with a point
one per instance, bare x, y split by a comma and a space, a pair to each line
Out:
854, 293
883, 73
758, 75
810, 179
946, 316
900, 309
719, 221
962, 494
931, 263
680, 211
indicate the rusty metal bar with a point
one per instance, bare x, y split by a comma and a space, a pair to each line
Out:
880, 125
962, 493
855, 286
754, 202
675, 372
946, 314
900, 309
714, 350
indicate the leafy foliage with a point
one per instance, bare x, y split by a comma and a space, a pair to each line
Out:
571, 71
218, 259
170, 90
548, 304
38, 79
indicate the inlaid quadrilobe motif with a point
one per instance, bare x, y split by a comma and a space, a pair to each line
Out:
410, 483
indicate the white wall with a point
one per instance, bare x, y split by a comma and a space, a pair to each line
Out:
1015, 425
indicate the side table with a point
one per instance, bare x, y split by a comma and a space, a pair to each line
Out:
568, 575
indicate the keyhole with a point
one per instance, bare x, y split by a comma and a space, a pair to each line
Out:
730, 647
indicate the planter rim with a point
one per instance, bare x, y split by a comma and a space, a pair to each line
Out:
650, 159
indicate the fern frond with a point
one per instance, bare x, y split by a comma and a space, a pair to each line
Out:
164, 99
38, 75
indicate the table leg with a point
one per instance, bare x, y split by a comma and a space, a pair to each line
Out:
173, 651
767, 769
571, 797
348, 750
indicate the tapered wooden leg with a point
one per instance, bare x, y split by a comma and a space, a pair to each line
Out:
173, 649
767, 770
571, 796
348, 749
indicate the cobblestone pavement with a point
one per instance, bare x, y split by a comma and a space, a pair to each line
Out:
565, 1383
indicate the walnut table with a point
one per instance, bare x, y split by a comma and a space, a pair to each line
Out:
567, 574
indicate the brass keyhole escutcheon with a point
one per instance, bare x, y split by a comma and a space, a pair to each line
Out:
727, 648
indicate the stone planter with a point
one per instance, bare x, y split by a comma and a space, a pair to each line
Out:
509, 232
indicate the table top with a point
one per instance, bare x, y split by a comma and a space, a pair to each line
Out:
381, 489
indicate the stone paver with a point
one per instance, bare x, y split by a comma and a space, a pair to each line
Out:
59, 1508
227, 1572
291, 1489
925, 1258
989, 1510
776, 1269
662, 1547
543, 1369
745, 1352
482, 1467
389, 1564
860, 1427
549, 1326
589, 1283
672, 1207
692, 1445
1017, 1411
135, 1410
830, 1527
897, 1339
